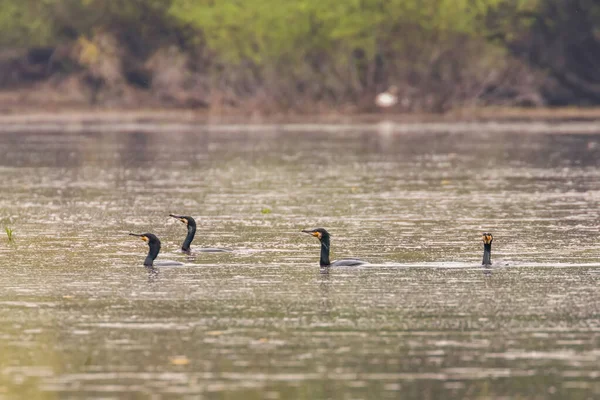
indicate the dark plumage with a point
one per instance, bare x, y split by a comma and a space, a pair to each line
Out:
190, 223
153, 250
324, 261
153, 247
487, 248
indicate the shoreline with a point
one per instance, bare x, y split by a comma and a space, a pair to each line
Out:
545, 120
233, 115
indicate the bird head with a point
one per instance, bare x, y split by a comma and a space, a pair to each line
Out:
487, 238
319, 233
187, 221
146, 237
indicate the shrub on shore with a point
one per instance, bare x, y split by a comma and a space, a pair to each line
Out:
273, 56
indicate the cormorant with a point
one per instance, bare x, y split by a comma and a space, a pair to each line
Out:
487, 249
323, 237
191, 227
153, 250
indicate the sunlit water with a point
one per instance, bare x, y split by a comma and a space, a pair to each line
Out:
81, 317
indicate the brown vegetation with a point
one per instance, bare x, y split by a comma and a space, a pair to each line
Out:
305, 56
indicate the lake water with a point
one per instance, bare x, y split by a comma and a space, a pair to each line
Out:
80, 317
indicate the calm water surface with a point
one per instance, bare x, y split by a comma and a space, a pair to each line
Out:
80, 317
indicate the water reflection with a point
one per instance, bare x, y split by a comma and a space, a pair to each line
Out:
139, 148
152, 274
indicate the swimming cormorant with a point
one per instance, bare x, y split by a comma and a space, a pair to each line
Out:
487, 249
153, 250
323, 237
190, 223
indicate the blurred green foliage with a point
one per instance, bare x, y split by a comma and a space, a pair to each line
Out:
257, 30
262, 30
438, 52
50, 22
23, 24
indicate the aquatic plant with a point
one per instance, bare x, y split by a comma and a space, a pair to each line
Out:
9, 234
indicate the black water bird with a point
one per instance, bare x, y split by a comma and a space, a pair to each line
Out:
190, 223
487, 249
324, 238
153, 250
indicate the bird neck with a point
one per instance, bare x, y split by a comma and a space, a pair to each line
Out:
487, 254
152, 254
188, 239
324, 261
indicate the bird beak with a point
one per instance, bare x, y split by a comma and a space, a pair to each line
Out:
144, 238
179, 217
314, 233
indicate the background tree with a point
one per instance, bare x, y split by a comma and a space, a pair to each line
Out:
561, 38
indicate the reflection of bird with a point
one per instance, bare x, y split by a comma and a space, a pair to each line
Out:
191, 227
323, 237
387, 98
153, 250
487, 249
